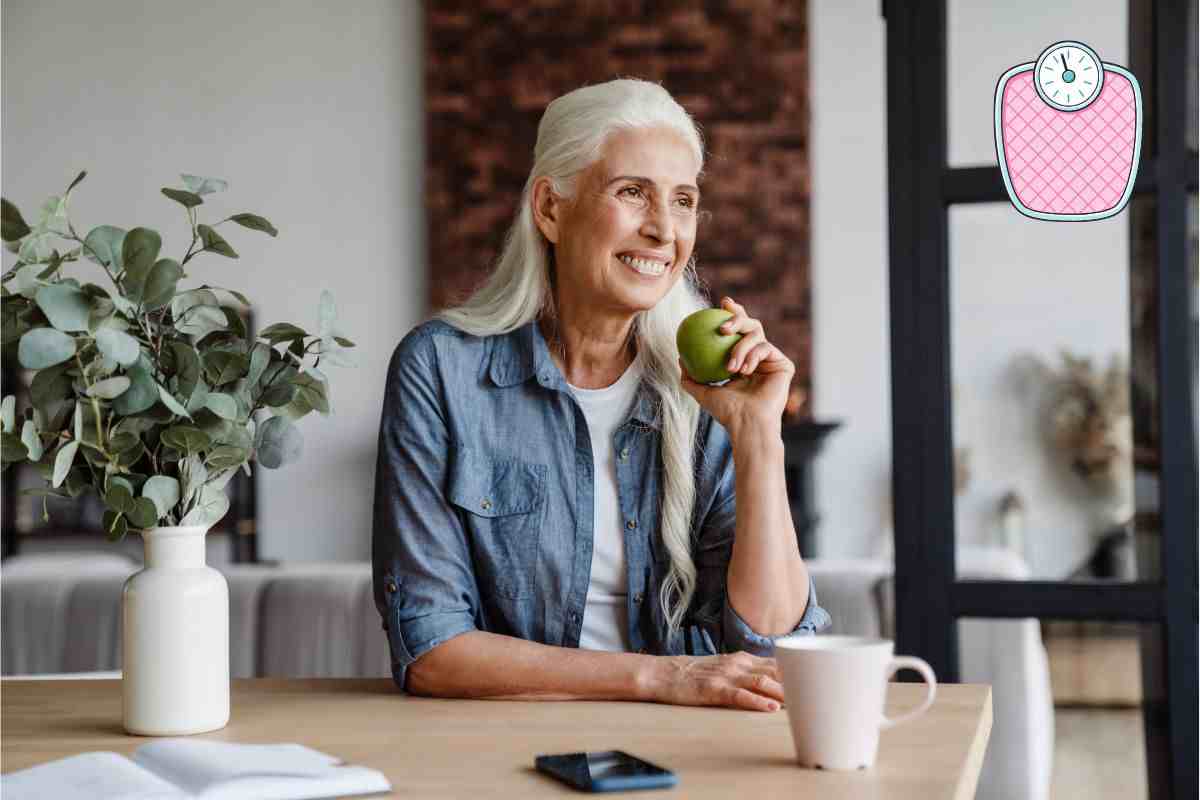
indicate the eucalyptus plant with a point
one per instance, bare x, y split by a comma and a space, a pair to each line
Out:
147, 393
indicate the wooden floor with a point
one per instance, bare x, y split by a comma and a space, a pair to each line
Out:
1099, 754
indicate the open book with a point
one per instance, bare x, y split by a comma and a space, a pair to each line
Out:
184, 768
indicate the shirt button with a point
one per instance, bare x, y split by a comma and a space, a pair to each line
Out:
637, 598
391, 586
574, 617
624, 453
486, 504
631, 524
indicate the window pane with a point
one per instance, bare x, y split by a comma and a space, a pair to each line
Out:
984, 39
1049, 483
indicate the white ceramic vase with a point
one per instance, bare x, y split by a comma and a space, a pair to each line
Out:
175, 638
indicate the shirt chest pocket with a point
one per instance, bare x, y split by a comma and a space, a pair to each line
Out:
501, 502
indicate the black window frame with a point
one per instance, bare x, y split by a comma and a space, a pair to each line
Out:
929, 599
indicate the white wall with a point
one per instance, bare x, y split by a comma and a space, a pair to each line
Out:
1016, 284
313, 113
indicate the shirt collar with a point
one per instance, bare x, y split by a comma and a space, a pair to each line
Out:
522, 354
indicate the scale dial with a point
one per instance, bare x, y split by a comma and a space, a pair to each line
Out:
1068, 75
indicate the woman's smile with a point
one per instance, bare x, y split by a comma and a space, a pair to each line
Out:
646, 268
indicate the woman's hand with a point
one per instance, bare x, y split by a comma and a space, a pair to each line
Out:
737, 680
757, 394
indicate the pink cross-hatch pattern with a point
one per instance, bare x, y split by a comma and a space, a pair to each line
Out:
1069, 162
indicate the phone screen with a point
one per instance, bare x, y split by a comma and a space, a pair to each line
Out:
603, 767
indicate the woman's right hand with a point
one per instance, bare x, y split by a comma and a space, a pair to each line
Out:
737, 680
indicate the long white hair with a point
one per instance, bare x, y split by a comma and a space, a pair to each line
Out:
571, 136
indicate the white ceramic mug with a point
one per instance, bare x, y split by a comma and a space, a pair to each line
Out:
834, 689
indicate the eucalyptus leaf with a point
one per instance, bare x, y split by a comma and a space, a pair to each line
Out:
110, 388
161, 283
119, 346
44, 347
141, 395
202, 186
63, 461
192, 475
222, 405
31, 440
198, 320
13, 448
50, 384
211, 505
185, 362
214, 243
104, 245
66, 306
221, 367
25, 282
119, 497
188, 199
124, 442
8, 414
115, 526
170, 402
280, 443
139, 251
12, 225
163, 490
281, 332
143, 513
227, 456
255, 222
186, 439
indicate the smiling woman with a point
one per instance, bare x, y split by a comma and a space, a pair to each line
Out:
547, 486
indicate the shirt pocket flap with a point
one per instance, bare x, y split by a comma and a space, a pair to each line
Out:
492, 487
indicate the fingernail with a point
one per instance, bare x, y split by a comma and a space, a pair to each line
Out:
773, 706
732, 365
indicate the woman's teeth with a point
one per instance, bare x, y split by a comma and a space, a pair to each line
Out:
643, 266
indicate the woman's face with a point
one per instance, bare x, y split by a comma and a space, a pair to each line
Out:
622, 242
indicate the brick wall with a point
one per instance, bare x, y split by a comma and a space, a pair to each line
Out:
740, 67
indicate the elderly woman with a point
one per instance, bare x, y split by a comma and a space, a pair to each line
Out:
560, 512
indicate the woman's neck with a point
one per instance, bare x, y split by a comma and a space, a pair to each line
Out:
588, 360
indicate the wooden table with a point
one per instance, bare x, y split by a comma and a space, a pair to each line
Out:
485, 748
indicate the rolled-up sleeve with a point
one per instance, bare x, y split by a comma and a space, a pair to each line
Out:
729, 632
424, 585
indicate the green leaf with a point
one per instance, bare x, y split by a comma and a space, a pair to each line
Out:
66, 306
109, 388
139, 251
44, 347
197, 313
163, 491
277, 386
104, 245
161, 283
50, 385
119, 497
188, 199
63, 461
143, 513
227, 456
344, 342
192, 475
255, 222
8, 414
120, 347
31, 440
222, 405
211, 506
184, 361
199, 185
221, 367
186, 439
170, 402
241, 298
141, 395
12, 226
260, 357
281, 332
124, 442
115, 526
313, 391
280, 443
13, 449
214, 243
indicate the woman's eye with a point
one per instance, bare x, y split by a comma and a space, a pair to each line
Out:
631, 188
687, 202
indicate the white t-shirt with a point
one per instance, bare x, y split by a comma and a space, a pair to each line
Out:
605, 615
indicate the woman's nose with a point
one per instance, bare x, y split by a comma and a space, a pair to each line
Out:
659, 223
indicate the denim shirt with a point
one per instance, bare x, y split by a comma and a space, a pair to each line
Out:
483, 513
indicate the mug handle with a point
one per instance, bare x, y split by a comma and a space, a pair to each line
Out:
911, 662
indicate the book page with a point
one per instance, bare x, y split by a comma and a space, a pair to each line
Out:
337, 782
197, 764
101, 776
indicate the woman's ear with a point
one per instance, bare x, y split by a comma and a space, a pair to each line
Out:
547, 208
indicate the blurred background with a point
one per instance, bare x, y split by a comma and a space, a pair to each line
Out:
388, 143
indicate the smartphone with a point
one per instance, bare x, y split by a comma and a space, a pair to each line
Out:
605, 771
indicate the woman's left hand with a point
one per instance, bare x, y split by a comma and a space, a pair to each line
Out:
757, 394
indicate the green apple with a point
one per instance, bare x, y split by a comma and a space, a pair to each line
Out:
703, 348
